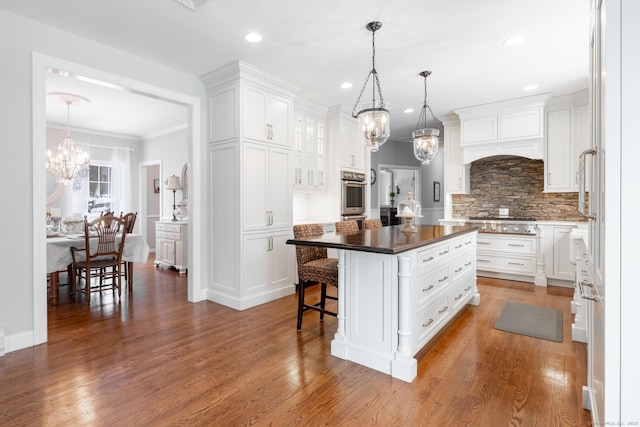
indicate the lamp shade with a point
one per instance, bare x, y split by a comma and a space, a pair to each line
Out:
373, 122
173, 183
425, 144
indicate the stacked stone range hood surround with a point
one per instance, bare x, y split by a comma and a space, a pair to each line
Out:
516, 183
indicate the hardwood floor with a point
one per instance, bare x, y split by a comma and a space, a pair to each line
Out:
155, 359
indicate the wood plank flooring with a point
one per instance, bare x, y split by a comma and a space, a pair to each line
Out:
153, 358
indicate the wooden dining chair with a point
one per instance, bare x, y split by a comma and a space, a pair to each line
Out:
99, 263
129, 224
347, 226
314, 267
372, 223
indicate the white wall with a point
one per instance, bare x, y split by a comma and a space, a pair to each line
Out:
172, 149
19, 39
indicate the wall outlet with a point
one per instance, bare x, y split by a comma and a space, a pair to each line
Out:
503, 211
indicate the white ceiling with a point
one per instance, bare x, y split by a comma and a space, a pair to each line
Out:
318, 45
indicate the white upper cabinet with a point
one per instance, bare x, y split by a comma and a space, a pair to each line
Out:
343, 137
514, 127
266, 116
266, 198
456, 178
309, 148
566, 137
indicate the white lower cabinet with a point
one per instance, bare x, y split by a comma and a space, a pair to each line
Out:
267, 261
557, 245
513, 256
172, 245
443, 281
394, 304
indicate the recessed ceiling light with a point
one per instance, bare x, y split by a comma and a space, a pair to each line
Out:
408, 110
346, 85
530, 87
253, 37
513, 41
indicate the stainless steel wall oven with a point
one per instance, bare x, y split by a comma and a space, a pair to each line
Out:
353, 193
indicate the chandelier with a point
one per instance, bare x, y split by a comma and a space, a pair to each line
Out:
425, 139
373, 117
70, 161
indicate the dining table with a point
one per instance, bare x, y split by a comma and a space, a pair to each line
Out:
136, 249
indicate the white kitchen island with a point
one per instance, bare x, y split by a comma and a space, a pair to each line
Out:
397, 289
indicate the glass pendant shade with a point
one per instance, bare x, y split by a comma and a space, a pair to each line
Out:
373, 123
373, 117
425, 139
425, 144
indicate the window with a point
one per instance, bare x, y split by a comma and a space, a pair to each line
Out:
100, 188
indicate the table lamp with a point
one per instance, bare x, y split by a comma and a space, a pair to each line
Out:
173, 184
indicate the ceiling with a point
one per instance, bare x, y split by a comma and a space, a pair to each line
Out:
318, 45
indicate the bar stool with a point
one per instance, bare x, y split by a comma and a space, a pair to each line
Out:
314, 267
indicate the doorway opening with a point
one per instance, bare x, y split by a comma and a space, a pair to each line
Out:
42, 65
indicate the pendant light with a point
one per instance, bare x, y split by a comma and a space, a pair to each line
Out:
70, 161
373, 117
425, 139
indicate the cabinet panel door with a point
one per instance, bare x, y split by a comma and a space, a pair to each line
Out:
167, 251
482, 129
521, 124
280, 194
559, 159
281, 255
278, 118
223, 117
254, 113
562, 266
255, 167
456, 180
255, 256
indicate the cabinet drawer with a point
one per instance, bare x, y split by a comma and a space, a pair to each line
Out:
512, 245
466, 242
462, 265
163, 226
429, 283
168, 235
429, 319
432, 256
506, 264
461, 291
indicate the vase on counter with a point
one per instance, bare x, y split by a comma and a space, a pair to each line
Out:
392, 202
181, 211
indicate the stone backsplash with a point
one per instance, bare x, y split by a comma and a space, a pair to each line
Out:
515, 183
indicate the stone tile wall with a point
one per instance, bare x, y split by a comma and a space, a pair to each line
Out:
515, 183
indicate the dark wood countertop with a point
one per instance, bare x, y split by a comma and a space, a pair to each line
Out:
386, 240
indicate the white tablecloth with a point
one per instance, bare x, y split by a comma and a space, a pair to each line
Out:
136, 249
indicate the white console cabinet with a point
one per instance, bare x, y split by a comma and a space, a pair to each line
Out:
172, 245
